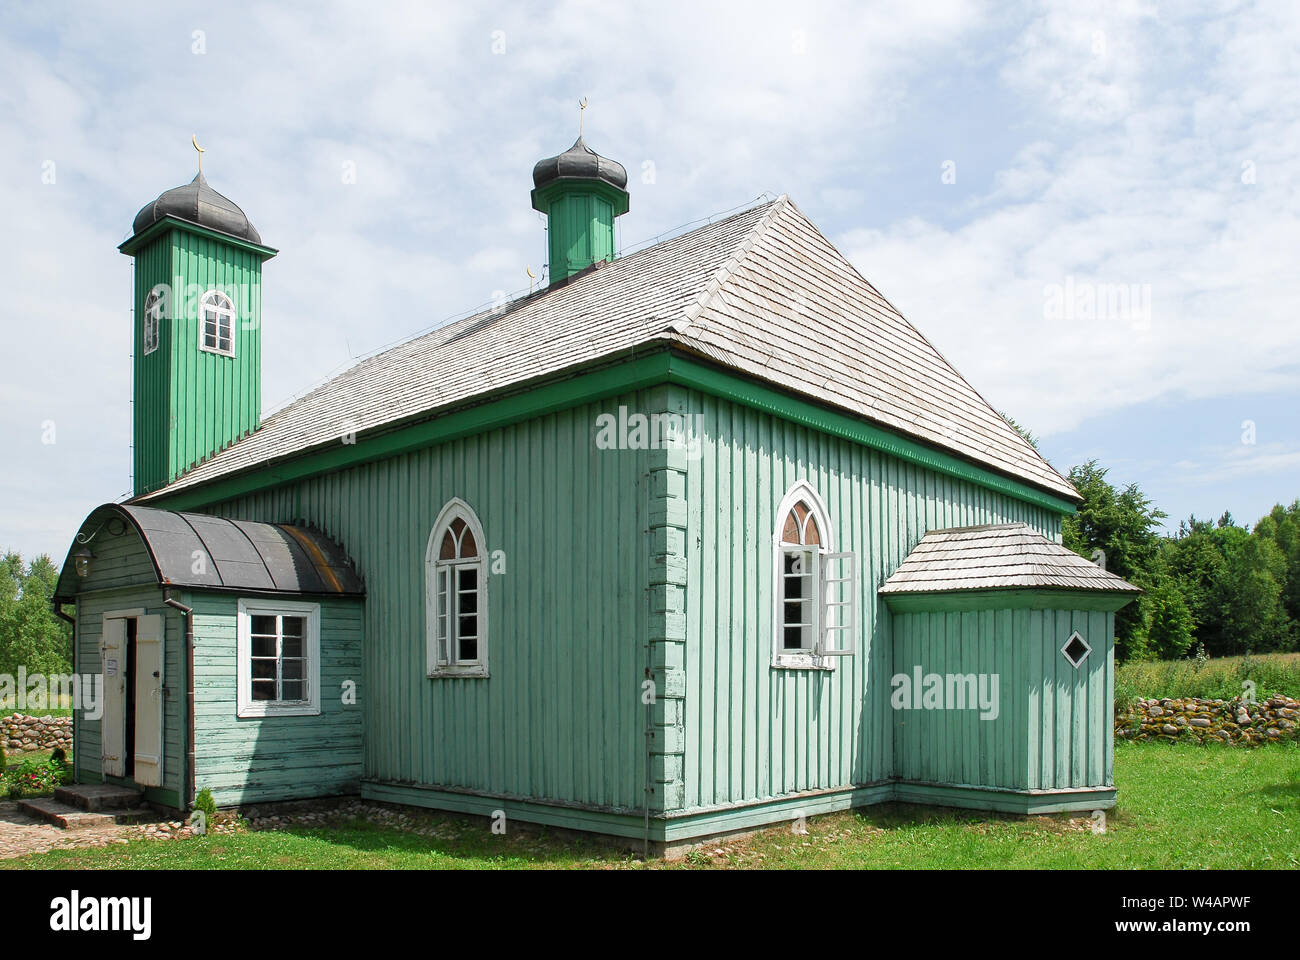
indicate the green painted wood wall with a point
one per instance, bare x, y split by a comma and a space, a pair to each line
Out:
560, 718
1052, 731
190, 403
250, 760
580, 231
754, 732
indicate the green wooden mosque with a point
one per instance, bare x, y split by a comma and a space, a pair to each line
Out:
694, 539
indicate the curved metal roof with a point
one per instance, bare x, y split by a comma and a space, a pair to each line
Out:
241, 555
579, 162
196, 202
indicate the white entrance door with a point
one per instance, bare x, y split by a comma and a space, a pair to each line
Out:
112, 725
149, 701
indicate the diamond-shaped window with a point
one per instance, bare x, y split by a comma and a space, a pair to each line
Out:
1076, 649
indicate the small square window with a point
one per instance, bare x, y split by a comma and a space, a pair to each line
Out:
1076, 650
279, 658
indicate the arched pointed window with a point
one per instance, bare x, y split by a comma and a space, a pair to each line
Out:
456, 572
815, 598
217, 324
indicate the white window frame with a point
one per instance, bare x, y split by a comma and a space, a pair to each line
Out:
443, 573
834, 612
246, 705
213, 300
154, 304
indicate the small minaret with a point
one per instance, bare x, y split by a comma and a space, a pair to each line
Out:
198, 330
581, 193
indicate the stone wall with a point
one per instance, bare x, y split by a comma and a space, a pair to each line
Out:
1190, 718
21, 732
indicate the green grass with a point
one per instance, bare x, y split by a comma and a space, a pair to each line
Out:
1181, 807
1217, 679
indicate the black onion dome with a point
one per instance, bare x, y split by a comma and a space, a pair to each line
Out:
198, 203
579, 162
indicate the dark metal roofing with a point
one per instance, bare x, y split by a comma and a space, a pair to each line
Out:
579, 162
1006, 556
237, 554
198, 203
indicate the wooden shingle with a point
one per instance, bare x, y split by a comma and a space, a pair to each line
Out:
1007, 556
762, 292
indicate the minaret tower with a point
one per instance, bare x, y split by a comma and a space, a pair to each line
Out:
581, 193
198, 330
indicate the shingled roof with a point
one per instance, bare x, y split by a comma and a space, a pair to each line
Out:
1009, 556
761, 292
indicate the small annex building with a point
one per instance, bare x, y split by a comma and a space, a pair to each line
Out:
693, 539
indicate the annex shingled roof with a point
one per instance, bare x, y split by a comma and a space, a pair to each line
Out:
761, 292
1009, 556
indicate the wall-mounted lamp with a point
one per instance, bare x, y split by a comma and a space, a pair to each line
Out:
82, 559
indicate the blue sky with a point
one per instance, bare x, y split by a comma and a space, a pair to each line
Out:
975, 161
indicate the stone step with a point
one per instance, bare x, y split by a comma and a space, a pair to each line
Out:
74, 818
98, 796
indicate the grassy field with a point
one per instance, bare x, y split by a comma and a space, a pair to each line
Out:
1220, 678
1181, 807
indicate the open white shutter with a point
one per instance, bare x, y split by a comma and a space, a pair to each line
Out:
838, 618
149, 701
112, 724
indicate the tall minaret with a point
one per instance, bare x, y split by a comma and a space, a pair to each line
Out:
198, 330
581, 193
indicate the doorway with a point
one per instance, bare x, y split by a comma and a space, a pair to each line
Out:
128, 678
131, 728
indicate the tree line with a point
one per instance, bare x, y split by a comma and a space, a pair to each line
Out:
1217, 585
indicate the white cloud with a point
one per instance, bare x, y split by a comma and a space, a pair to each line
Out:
1126, 168
1136, 185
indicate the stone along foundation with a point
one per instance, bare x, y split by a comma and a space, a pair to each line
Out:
21, 732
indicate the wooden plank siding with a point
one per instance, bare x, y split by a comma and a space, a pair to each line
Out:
755, 732
189, 404
1052, 731
248, 759
560, 718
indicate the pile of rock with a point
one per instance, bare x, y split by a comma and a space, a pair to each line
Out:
1193, 718
21, 732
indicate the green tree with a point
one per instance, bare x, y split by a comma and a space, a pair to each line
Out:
1123, 524
1194, 558
1167, 624
1029, 437
1282, 527
1249, 587
31, 636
